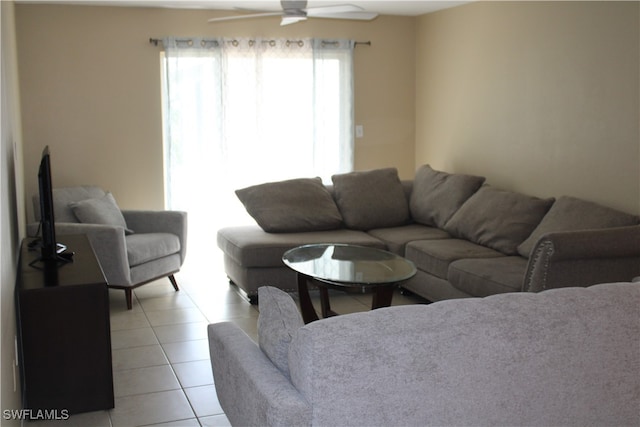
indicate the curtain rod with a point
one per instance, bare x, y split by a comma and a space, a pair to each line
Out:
156, 41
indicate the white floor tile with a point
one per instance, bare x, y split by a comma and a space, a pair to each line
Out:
144, 380
95, 419
187, 351
194, 374
151, 408
229, 312
215, 421
181, 332
192, 422
175, 301
127, 338
172, 317
204, 400
128, 320
138, 357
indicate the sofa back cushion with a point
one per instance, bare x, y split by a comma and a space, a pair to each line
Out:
498, 219
437, 195
278, 322
302, 204
371, 199
569, 214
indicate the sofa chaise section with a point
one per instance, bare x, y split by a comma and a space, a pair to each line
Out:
253, 257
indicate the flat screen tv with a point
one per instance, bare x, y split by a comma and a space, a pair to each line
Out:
50, 249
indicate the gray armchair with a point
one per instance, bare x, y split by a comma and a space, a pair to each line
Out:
153, 244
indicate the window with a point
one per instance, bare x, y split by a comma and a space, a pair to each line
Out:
246, 111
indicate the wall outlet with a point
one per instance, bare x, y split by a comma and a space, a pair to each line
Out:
359, 131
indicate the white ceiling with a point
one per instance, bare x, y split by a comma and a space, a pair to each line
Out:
384, 7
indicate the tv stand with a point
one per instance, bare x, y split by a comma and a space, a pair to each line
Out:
64, 338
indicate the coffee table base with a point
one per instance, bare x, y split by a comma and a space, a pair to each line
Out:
382, 295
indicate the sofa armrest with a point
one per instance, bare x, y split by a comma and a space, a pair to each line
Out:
146, 221
251, 390
584, 258
108, 243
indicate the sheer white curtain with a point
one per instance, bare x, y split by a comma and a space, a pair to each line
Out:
239, 112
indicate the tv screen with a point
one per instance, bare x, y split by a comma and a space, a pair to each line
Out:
50, 248
47, 220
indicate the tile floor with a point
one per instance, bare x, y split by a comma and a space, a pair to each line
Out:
162, 374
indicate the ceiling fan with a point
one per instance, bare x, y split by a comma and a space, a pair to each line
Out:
294, 11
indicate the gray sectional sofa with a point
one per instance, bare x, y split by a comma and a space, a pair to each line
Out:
562, 357
466, 237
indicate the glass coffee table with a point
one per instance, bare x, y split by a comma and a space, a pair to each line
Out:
349, 268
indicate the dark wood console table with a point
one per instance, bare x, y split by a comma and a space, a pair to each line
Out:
64, 335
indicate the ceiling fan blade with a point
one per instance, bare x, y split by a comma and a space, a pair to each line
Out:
356, 16
332, 10
237, 17
291, 19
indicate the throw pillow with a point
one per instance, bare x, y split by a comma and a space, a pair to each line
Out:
104, 210
371, 199
302, 204
569, 214
278, 321
437, 195
498, 219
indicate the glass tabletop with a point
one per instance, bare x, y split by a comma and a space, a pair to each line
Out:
342, 263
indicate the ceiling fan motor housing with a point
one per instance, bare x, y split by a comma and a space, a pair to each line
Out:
293, 7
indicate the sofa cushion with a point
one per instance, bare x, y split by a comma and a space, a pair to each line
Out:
487, 276
371, 199
569, 214
145, 247
434, 256
437, 195
250, 246
103, 210
293, 205
498, 219
396, 238
278, 321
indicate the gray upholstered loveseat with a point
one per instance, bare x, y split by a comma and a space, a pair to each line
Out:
560, 357
466, 237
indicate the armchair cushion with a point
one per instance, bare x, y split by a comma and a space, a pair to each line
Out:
147, 247
102, 210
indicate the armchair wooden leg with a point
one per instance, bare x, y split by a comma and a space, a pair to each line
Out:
173, 282
129, 295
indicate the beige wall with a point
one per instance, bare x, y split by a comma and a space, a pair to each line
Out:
11, 214
90, 88
539, 97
